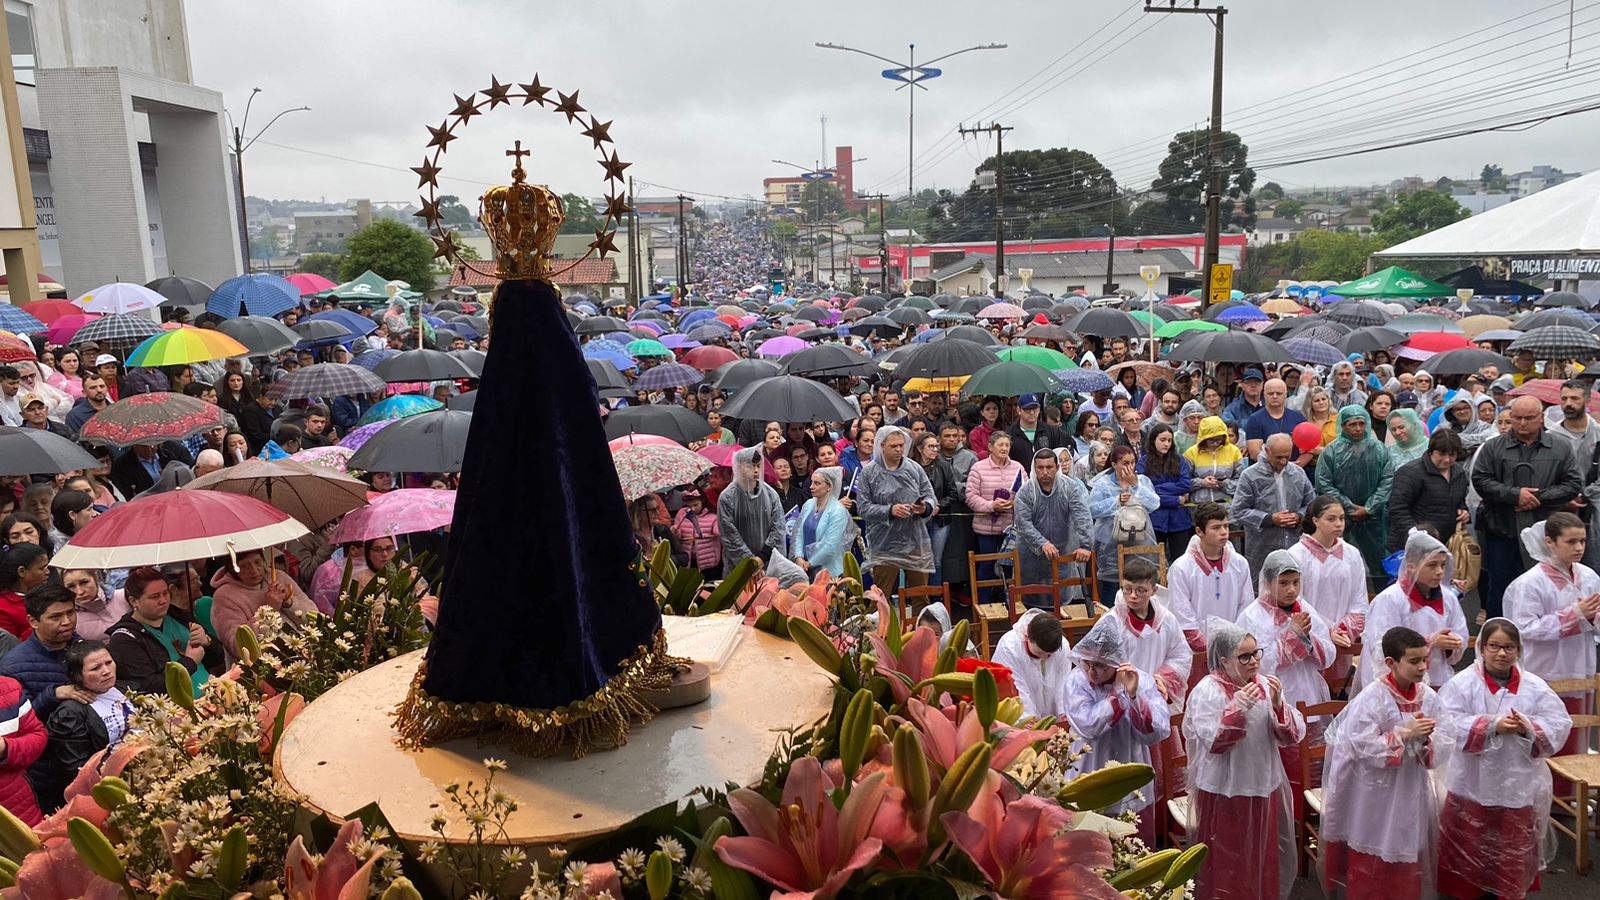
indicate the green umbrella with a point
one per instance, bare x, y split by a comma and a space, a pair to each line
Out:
1173, 329
1393, 282
1011, 379
369, 286
922, 303
1146, 318
1043, 357
647, 347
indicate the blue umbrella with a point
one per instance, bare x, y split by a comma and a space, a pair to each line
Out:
1243, 313
464, 329
359, 325
587, 308
693, 316
16, 320
261, 295
621, 360
926, 336
656, 298
1311, 350
605, 345
1085, 381
370, 359
709, 331
678, 342
398, 407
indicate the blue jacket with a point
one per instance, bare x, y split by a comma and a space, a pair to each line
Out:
1172, 515
40, 669
827, 547
1240, 409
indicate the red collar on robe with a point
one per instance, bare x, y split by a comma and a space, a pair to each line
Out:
1320, 552
1139, 625
1419, 599
1405, 698
1279, 614
1511, 685
1206, 566
1562, 579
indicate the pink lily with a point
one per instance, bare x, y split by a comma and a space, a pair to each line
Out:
1024, 852
916, 659
806, 848
57, 873
339, 876
948, 731
599, 879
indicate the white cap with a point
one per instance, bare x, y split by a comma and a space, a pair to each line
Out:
103, 359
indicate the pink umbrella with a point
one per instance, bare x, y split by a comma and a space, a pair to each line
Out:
747, 321
640, 439
781, 346
719, 454
309, 282
62, 329
1002, 311
359, 436
404, 511
334, 458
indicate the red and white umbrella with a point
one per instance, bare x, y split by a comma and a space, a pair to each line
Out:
176, 526
404, 511
1002, 311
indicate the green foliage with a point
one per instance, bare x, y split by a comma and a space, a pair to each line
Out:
453, 213
328, 265
1444, 184
1310, 255
1289, 209
683, 591
1055, 193
1270, 191
581, 215
1417, 213
394, 251
819, 199
1183, 175
265, 244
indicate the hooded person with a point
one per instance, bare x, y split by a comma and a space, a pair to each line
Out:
1429, 393
749, 513
1345, 385
937, 617
1187, 434
1504, 721
1459, 413
1234, 726
1216, 463
824, 528
895, 499
1114, 707
1083, 468
1415, 442
1052, 517
1422, 600
1035, 652
1153, 638
1357, 469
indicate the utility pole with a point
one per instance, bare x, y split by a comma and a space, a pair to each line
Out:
883, 242
635, 279
683, 250
999, 132
1214, 150
1110, 286
240, 145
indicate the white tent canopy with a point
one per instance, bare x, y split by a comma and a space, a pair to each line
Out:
1563, 220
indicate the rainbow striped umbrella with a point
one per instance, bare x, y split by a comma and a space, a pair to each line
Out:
185, 345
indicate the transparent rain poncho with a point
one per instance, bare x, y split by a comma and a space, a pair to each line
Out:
902, 543
1119, 726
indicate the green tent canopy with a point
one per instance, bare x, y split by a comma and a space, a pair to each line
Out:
1173, 329
1393, 282
368, 286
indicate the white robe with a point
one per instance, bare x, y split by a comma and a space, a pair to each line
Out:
1378, 793
1041, 683
1297, 660
1392, 608
1118, 728
1233, 752
1557, 642
1335, 587
1159, 649
1495, 769
1196, 591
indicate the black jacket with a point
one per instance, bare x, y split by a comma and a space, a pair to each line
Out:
948, 491
76, 733
1420, 495
141, 658
1045, 436
1505, 465
130, 476
255, 423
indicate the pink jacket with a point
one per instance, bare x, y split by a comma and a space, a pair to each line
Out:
983, 482
704, 544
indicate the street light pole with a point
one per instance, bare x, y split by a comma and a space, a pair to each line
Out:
240, 145
912, 77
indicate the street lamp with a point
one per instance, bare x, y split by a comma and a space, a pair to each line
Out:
240, 145
911, 76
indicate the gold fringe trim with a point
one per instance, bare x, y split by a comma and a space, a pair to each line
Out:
599, 722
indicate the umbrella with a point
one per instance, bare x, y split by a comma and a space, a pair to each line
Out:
176, 526
182, 291
151, 419
673, 341
1044, 357
117, 328
333, 458
312, 494
181, 346
1393, 282
1421, 323
1048, 333
325, 380
399, 406
310, 283
263, 335
1558, 342
1106, 323
119, 297
1002, 311
433, 441
405, 511
908, 315
878, 326
629, 440
972, 334
1359, 314
369, 359
719, 454
789, 398
600, 325
467, 402
48, 311
1472, 326
1282, 306
472, 359
1564, 298
1431, 342
1242, 313
33, 451
1173, 329
735, 375
871, 303
707, 358
781, 346
1146, 372
1085, 381
359, 325
1547, 317
1230, 346
943, 359
15, 319
260, 295
1368, 339
916, 302
606, 374
63, 329
647, 468
321, 333
829, 360
707, 332
1310, 350
15, 349
945, 316
668, 421
359, 435
648, 347
813, 313
1498, 334
1466, 361
669, 375
1011, 379
1548, 392
421, 365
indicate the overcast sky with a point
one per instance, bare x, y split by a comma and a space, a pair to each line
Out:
705, 94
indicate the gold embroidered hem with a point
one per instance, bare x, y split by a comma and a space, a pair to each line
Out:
598, 722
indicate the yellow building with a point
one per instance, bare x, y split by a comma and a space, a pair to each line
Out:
19, 242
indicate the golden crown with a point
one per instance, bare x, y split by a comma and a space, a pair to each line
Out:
522, 221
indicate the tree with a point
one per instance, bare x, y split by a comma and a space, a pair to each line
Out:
1183, 176
453, 213
325, 264
265, 245
392, 250
1310, 255
1490, 173
581, 215
1270, 191
1289, 209
1417, 213
819, 199
1055, 193
1443, 184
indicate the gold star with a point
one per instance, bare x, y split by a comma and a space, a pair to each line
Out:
604, 242
446, 245
617, 207
441, 135
495, 93
614, 167
466, 107
569, 105
597, 131
427, 173
535, 92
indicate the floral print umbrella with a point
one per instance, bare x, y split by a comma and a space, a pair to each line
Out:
647, 468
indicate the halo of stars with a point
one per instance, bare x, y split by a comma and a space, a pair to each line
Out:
497, 94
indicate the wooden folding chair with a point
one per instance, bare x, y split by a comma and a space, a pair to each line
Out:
1340, 679
1306, 829
1085, 581
1583, 770
1174, 789
907, 597
1156, 550
983, 614
1018, 594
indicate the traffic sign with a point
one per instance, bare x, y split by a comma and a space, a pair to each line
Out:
1221, 282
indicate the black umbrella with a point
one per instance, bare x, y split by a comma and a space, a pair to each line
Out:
1217, 309
828, 360
325, 380
1359, 313
739, 373
573, 319
1370, 338
463, 402
871, 303
422, 365
811, 313
321, 333
600, 325
447, 305
183, 291
1564, 298
1557, 342
1230, 346
261, 334
972, 334
1106, 323
606, 374
667, 420
1465, 361
1037, 303
971, 305
472, 359
943, 359
876, 326
907, 315
789, 398
1049, 333
433, 441
1544, 318
816, 334
32, 451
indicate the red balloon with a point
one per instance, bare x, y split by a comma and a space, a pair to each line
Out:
1307, 436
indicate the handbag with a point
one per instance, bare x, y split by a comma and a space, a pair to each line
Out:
1468, 557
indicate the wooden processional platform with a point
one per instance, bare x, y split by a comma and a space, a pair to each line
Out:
340, 754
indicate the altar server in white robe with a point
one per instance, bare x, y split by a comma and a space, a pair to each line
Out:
1494, 834
1152, 637
1034, 651
1333, 578
1210, 580
1423, 600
